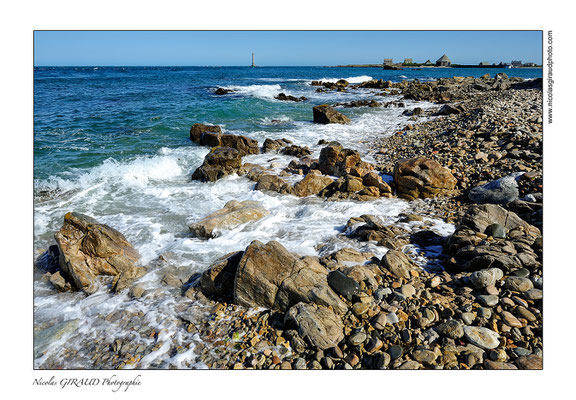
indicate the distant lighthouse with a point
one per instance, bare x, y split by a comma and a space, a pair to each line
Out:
253, 65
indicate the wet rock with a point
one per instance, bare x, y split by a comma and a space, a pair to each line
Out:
127, 278
480, 217
89, 249
233, 214
197, 130
325, 114
45, 337
312, 184
285, 97
482, 337
500, 191
220, 162
422, 178
273, 183
274, 144
222, 91
319, 325
296, 151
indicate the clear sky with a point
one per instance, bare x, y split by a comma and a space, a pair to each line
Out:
287, 48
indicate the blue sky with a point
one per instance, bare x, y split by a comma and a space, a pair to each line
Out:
223, 48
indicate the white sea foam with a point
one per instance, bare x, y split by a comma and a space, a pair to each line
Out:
259, 91
352, 79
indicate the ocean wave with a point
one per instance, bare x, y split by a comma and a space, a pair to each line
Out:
259, 91
352, 79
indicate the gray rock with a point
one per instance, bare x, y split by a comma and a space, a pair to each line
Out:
488, 300
485, 277
482, 337
320, 325
497, 231
468, 318
395, 352
533, 294
357, 339
342, 284
500, 191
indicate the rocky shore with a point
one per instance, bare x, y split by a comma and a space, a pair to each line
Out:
470, 300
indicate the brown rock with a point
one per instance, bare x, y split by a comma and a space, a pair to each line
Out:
397, 263
312, 184
220, 162
325, 114
89, 249
197, 130
233, 214
422, 178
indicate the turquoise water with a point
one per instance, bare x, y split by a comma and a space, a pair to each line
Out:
83, 116
113, 143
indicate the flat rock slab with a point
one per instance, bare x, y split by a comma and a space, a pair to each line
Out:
45, 337
234, 214
482, 337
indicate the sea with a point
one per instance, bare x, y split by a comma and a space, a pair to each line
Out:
113, 143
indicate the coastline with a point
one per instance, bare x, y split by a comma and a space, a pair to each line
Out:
402, 316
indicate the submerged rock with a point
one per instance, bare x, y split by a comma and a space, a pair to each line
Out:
233, 214
45, 337
89, 249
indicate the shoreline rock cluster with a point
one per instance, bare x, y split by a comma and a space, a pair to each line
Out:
477, 304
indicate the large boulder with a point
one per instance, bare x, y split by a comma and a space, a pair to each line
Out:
89, 249
197, 130
270, 276
220, 162
233, 214
319, 325
500, 191
422, 178
338, 161
398, 264
325, 114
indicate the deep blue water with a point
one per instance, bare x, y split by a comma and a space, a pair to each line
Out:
85, 115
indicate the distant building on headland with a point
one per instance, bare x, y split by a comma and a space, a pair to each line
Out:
408, 61
443, 61
484, 64
516, 63
388, 61
530, 64
428, 62
253, 63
